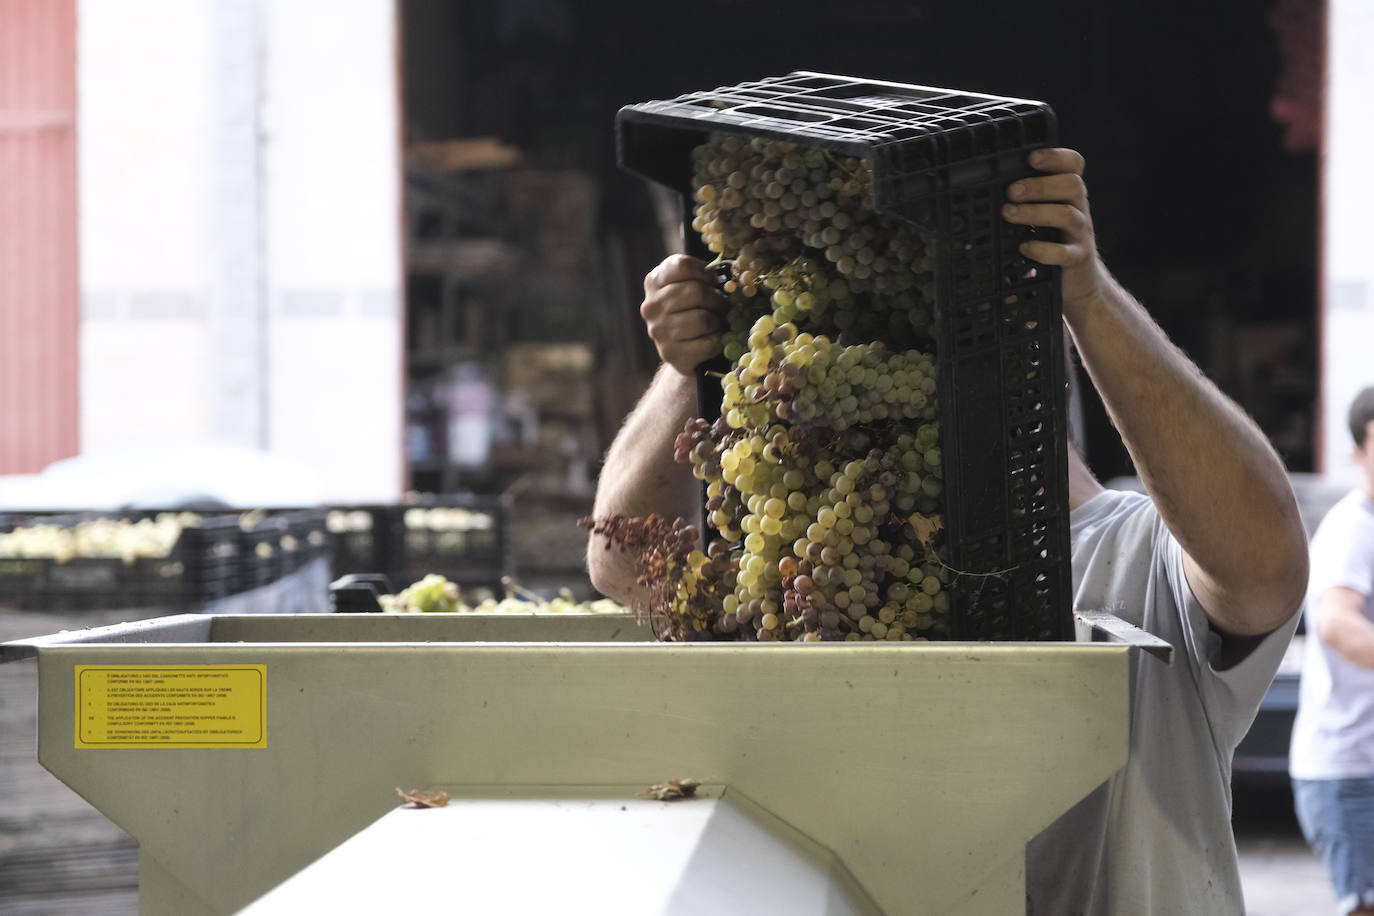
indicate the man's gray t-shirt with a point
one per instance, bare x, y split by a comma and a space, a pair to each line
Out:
1156, 838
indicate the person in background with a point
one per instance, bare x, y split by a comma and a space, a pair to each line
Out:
1214, 560
1331, 759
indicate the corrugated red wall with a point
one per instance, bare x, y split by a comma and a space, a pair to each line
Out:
39, 286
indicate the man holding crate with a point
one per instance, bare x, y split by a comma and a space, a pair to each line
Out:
1214, 561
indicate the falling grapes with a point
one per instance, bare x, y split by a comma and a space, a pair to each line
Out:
686, 587
823, 473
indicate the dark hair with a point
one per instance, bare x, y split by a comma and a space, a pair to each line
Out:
1361, 412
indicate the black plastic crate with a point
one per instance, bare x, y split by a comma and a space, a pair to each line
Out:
199, 567
306, 538
81, 583
20, 577
464, 537
261, 559
942, 160
210, 557
365, 539
45, 582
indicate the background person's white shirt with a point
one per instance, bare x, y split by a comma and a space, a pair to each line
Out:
1333, 734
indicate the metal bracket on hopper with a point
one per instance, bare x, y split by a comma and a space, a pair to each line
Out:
1099, 626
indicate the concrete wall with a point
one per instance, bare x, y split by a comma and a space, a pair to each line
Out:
240, 232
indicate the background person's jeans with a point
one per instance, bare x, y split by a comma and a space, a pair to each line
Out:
1337, 818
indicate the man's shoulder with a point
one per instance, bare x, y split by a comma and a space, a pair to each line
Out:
1114, 538
1110, 508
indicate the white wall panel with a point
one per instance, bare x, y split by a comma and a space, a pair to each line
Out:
333, 230
1347, 345
240, 232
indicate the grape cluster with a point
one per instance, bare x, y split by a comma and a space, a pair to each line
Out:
797, 226
823, 473
435, 594
822, 528
126, 539
808, 381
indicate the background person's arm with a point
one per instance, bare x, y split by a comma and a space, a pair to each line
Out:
1341, 624
1216, 481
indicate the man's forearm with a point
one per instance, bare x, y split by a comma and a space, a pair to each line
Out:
640, 477
1218, 484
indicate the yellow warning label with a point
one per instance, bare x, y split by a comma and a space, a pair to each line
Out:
144, 706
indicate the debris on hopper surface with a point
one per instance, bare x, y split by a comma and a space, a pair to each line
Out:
672, 790
423, 799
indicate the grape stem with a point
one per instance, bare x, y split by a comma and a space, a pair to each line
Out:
773, 280
995, 574
852, 173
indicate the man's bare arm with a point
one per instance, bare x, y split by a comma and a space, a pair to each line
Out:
1218, 484
681, 313
1341, 624
640, 477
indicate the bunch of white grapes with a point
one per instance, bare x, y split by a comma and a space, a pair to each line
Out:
431, 595
447, 518
563, 603
120, 538
823, 473
798, 229
348, 521
436, 594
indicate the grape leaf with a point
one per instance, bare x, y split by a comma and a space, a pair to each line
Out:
926, 526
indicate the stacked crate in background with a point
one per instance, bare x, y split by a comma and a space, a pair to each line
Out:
278, 543
465, 537
168, 559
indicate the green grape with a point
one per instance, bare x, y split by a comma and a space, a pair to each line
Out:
828, 441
